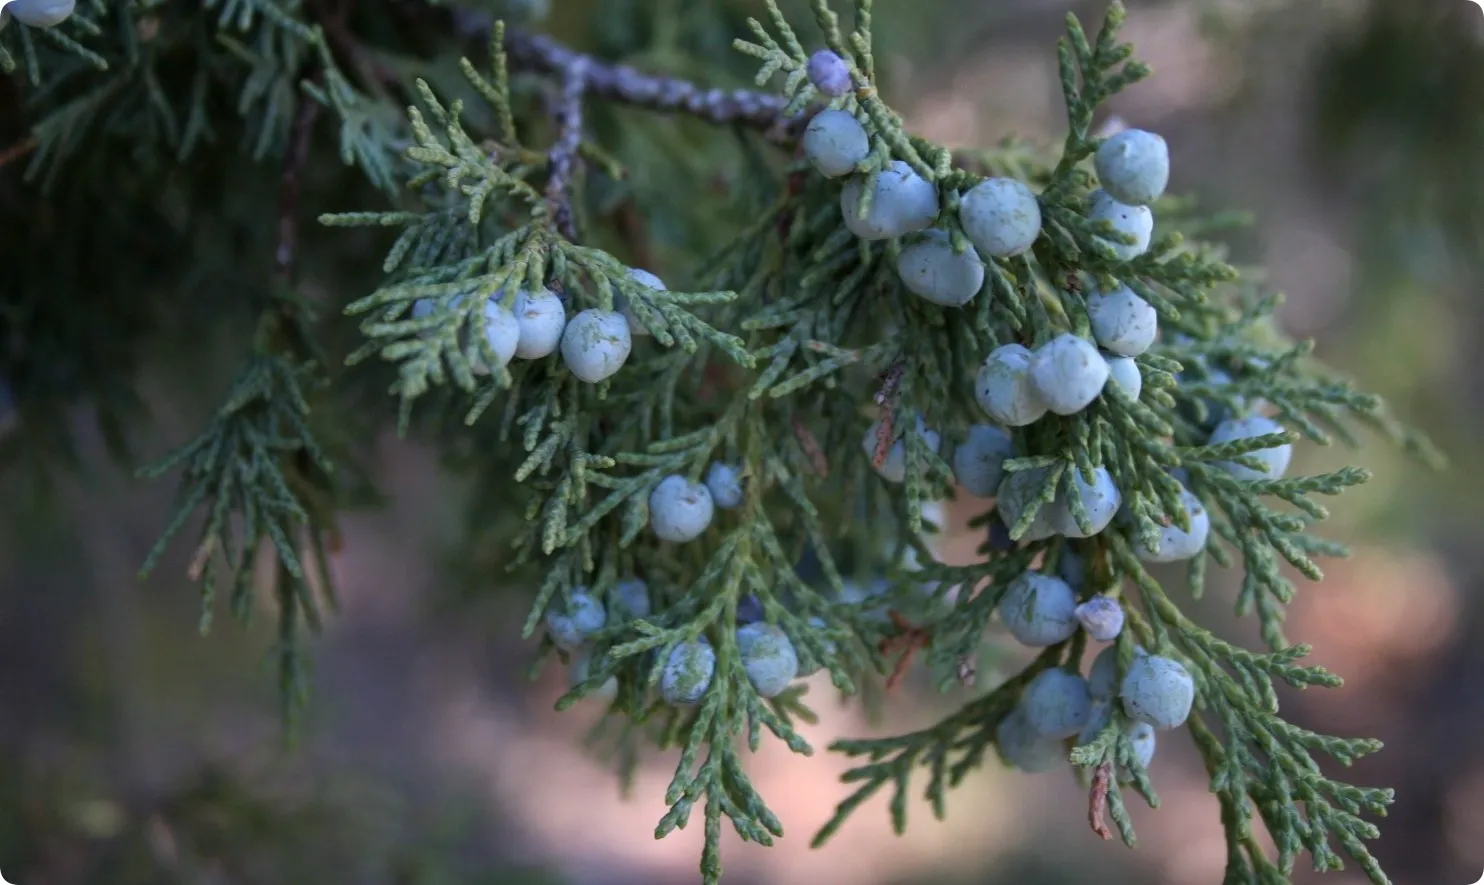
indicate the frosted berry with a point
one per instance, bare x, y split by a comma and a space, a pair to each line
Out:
1100, 499
595, 345
835, 143
679, 510
1026, 750
1124, 374
902, 202
979, 461
621, 301
1068, 373
1101, 618
894, 467
687, 673
1133, 221
1039, 610
1122, 322
1004, 389
829, 73
41, 13
629, 600
1016, 493
1134, 166
1157, 691
502, 332
1056, 703
930, 268
1274, 460
724, 485
580, 670
1141, 737
572, 622
1176, 545
769, 658
542, 317
1001, 217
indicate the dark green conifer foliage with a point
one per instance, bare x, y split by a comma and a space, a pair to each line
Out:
780, 339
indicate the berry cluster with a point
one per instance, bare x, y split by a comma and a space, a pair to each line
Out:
594, 344
1001, 218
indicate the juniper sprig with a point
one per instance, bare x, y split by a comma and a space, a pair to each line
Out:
715, 474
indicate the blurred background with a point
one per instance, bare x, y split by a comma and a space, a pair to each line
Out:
133, 751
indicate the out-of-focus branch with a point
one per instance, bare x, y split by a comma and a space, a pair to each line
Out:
563, 155
741, 107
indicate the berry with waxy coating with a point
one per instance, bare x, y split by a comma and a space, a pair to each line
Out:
41, 13
1004, 389
1134, 166
580, 670
893, 467
571, 624
769, 658
687, 673
835, 143
1025, 749
1056, 703
1158, 691
1039, 610
541, 317
1068, 373
1274, 460
1141, 737
621, 301
1001, 217
829, 73
1100, 499
595, 344
901, 203
1131, 221
979, 461
931, 269
1176, 544
502, 333
679, 510
724, 485
1015, 497
629, 600
1124, 374
1122, 322
1101, 618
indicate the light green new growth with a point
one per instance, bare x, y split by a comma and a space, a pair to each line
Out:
775, 354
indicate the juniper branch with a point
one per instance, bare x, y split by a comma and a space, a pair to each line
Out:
759, 110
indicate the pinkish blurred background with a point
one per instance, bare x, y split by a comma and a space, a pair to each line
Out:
133, 750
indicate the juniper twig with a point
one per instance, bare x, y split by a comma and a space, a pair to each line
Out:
763, 111
563, 155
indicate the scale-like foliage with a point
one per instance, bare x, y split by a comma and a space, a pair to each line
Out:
773, 357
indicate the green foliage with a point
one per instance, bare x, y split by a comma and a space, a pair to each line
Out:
774, 353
